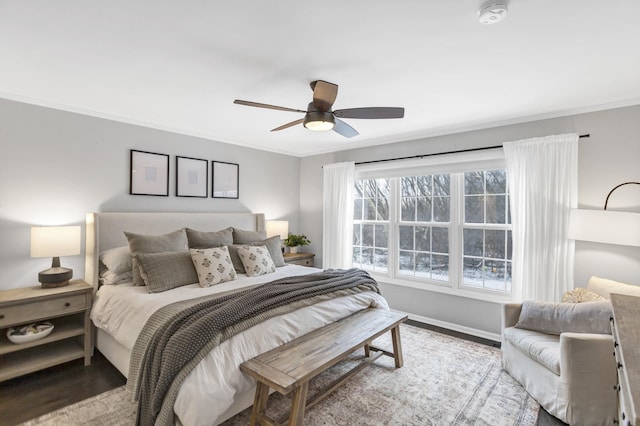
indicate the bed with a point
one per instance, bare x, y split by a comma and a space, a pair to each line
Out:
215, 389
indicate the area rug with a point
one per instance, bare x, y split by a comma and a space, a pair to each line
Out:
444, 381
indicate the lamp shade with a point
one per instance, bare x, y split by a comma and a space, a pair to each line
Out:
605, 226
277, 227
55, 241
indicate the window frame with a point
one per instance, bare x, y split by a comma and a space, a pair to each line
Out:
456, 165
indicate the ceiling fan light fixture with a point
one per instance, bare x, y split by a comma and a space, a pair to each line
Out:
319, 121
492, 12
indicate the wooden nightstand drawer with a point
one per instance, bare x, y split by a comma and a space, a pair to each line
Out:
304, 259
41, 309
303, 262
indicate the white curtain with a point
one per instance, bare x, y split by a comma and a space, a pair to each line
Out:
543, 181
337, 215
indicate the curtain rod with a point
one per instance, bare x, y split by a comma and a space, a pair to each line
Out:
442, 153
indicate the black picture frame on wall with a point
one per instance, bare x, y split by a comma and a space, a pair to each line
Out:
225, 180
149, 173
192, 177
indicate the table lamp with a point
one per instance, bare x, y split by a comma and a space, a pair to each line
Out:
278, 227
55, 241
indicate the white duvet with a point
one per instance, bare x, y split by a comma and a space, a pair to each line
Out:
211, 391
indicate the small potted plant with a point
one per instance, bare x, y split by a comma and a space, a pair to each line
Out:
293, 241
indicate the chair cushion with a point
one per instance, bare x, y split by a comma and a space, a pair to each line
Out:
540, 347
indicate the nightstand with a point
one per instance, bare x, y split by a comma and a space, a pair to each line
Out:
66, 307
304, 259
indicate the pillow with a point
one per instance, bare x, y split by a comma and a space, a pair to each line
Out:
256, 260
138, 243
556, 318
111, 278
241, 236
167, 270
604, 287
117, 260
199, 239
272, 244
580, 295
213, 265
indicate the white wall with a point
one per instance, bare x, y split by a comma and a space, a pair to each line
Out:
609, 157
56, 166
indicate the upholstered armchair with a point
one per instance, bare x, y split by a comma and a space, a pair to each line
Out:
562, 354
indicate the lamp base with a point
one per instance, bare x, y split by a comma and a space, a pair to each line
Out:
55, 277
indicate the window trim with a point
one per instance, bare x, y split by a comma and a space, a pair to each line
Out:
448, 163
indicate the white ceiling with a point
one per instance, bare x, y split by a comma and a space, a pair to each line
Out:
178, 65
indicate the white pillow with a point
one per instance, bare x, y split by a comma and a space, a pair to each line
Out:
117, 260
256, 260
213, 265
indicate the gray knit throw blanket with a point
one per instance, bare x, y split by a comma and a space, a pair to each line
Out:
178, 336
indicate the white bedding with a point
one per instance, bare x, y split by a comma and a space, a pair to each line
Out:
210, 389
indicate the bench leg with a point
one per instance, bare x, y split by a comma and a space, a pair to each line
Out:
298, 404
397, 347
259, 403
367, 351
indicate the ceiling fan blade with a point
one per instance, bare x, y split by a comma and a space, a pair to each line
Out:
284, 126
344, 129
259, 105
372, 112
324, 94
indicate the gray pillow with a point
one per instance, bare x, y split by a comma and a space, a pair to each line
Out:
203, 239
164, 271
272, 244
139, 243
556, 318
241, 236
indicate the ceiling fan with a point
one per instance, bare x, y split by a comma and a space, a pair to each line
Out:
320, 117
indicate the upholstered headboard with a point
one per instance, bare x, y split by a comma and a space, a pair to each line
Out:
106, 230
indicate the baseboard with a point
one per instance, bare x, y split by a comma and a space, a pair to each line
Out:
451, 326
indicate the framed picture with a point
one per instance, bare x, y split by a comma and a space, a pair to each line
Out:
192, 177
149, 173
225, 179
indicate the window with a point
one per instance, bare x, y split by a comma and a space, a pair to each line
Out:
371, 224
423, 227
486, 231
450, 229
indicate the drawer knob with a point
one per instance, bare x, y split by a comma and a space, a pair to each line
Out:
67, 304
619, 365
1, 316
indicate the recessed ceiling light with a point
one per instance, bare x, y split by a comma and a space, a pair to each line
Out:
492, 12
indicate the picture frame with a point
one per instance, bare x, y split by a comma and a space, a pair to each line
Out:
149, 173
225, 179
192, 177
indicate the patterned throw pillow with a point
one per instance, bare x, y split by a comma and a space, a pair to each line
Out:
213, 265
581, 295
256, 260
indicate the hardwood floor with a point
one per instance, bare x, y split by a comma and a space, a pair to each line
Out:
33, 395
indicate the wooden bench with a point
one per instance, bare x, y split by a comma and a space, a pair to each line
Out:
288, 368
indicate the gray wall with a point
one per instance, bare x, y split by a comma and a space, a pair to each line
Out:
56, 166
609, 157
